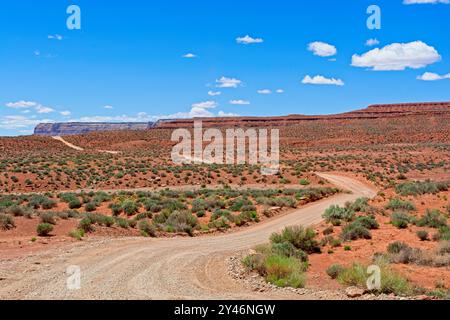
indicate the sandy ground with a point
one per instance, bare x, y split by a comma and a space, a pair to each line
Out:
140, 268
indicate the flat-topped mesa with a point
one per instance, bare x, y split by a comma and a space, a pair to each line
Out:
77, 128
371, 112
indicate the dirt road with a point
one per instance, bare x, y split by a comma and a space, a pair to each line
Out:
179, 268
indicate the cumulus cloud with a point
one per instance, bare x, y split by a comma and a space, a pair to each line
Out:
214, 93
205, 105
425, 1
240, 102
225, 82
22, 104
321, 80
280, 91
398, 56
430, 76
322, 49
189, 56
249, 40
372, 42
265, 91
16, 122
224, 114
65, 113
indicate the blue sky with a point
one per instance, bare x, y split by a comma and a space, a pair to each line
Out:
129, 57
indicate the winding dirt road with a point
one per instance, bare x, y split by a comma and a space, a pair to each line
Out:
178, 268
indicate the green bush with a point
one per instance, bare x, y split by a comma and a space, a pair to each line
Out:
123, 223
75, 203
147, 229
86, 225
77, 234
44, 229
360, 205
335, 270
368, 222
443, 234
336, 214
287, 249
285, 272
129, 207
354, 231
48, 217
420, 188
6, 222
90, 207
432, 219
398, 204
397, 247
423, 235
116, 209
401, 220
299, 237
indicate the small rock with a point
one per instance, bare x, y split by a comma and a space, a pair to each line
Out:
354, 292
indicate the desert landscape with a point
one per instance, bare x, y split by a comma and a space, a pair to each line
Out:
368, 187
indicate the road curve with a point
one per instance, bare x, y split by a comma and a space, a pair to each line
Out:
178, 268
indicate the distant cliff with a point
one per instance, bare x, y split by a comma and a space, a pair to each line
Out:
76, 128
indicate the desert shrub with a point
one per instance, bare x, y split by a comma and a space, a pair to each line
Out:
335, 270
182, 221
90, 207
368, 222
201, 213
48, 217
198, 205
328, 231
86, 225
360, 205
100, 197
67, 197
398, 204
299, 237
443, 234
222, 213
401, 220
129, 207
6, 222
336, 214
420, 188
432, 219
422, 235
77, 234
123, 223
75, 203
391, 282
48, 204
304, 182
396, 247
354, 231
285, 272
220, 224
36, 201
63, 215
287, 249
147, 229
116, 209
44, 229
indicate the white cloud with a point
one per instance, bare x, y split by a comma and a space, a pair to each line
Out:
205, 105
108, 107
430, 76
65, 113
240, 102
425, 1
37, 53
398, 56
55, 37
249, 40
225, 82
224, 114
19, 122
372, 42
280, 91
321, 80
265, 91
189, 56
21, 104
42, 109
214, 93
322, 49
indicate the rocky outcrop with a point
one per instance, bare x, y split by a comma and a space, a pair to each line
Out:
65, 129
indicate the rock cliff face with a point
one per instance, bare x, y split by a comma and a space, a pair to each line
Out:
65, 129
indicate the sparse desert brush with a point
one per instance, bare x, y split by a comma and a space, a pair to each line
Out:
48, 217
355, 230
419, 188
398, 204
299, 237
86, 224
147, 229
77, 234
432, 219
401, 220
423, 235
6, 222
335, 215
285, 272
335, 270
44, 229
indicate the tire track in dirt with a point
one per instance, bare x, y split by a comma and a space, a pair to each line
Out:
178, 268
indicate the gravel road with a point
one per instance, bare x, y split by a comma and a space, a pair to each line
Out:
140, 268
